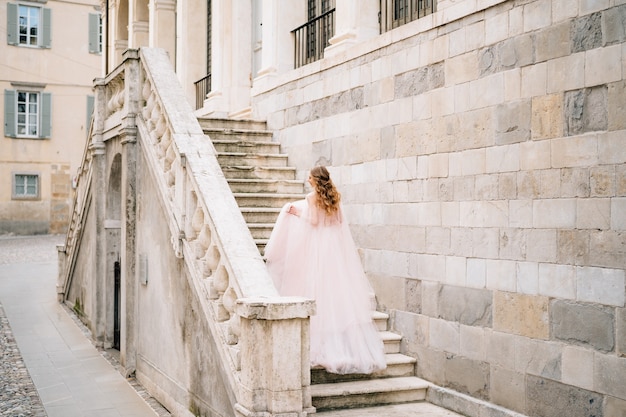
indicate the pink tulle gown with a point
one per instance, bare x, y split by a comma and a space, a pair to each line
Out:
313, 255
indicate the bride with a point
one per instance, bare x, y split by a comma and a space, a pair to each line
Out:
311, 254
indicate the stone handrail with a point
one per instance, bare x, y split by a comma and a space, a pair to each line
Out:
209, 233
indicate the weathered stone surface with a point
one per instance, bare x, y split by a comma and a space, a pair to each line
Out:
620, 325
575, 182
586, 32
583, 324
538, 357
508, 388
548, 398
617, 105
586, 110
416, 82
593, 213
547, 117
431, 365
467, 376
572, 247
602, 181
414, 330
513, 243
614, 407
513, 122
609, 375
607, 248
620, 180
614, 25
553, 42
413, 290
524, 315
465, 305
528, 184
501, 348
577, 367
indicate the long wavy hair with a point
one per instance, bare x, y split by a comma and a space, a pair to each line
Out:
328, 196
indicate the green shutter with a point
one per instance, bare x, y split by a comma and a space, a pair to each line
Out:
46, 29
94, 33
9, 113
46, 115
12, 32
90, 103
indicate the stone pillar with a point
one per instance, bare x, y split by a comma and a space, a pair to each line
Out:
280, 17
98, 190
163, 26
139, 25
129, 311
355, 21
275, 363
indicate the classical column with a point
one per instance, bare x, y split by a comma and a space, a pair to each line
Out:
163, 26
355, 21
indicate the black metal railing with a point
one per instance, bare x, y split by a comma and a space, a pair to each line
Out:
203, 87
394, 13
312, 38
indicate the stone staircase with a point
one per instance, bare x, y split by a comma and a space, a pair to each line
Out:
262, 183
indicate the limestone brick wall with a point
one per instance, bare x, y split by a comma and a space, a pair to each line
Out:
481, 153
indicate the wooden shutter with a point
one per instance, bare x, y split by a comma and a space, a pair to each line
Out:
94, 33
12, 31
9, 114
90, 103
46, 115
46, 28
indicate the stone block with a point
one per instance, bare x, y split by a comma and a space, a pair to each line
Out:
614, 407
593, 213
575, 182
501, 274
538, 357
534, 80
512, 84
574, 151
503, 158
554, 213
512, 121
586, 32
438, 165
557, 281
455, 267
422, 107
486, 187
620, 333
585, 110
419, 81
553, 42
430, 298
461, 69
444, 335
620, 180
601, 285
476, 272
508, 389
577, 367
487, 91
566, 73
501, 348
473, 342
547, 117
430, 365
467, 306
543, 245
602, 181
507, 186
413, 290
607, 248
414, 138
528, 182
614, 25
573, 247
414, 330
609, 375
485, 243
591, 6
548, 398
562, 10
603, 66
463, 191
513, 244
484, 213
537, 15
612, 147
496, 28
550, 183
520, 213
527, 277
521, 314
586, 325
467, 376
618, 213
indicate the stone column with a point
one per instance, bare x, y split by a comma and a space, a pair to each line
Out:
275, 364
163, 26
128, 135
355, 21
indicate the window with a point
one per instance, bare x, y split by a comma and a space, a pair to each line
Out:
28, 25
25, 185
27, 114
95, 33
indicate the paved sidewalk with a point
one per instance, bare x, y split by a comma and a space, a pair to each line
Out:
64, 374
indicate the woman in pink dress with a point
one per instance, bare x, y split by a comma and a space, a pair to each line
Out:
311, 254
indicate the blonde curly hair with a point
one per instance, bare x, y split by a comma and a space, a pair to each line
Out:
328, 196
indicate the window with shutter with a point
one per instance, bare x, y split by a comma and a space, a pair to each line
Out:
95, 33
29, 25
27, 114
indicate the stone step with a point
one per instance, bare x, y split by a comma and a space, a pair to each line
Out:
391, 341
264, 199
260, 214
262, 173
246, 146
414, 409
248, 135
242, 185
368, 393
218, 123
398, 365
380, 319
261, 230
228, 159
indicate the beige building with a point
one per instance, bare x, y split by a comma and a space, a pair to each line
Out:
50, 53
480, 148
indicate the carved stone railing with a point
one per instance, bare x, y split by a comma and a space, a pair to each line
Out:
269, 377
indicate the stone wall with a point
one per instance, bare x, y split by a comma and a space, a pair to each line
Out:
481, 153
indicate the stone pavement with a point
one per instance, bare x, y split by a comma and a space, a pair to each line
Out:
49, 367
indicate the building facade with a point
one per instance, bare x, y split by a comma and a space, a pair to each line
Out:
46, 79
481, 153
